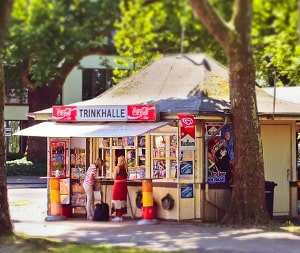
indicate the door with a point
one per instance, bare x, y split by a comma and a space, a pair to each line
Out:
277, 141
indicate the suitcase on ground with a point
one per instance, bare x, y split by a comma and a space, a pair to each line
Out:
101, 212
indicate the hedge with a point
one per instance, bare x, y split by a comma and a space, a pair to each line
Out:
22, 167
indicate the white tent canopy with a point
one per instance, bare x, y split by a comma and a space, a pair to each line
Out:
115, 129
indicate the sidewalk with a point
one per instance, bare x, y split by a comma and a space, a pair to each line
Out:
166, 235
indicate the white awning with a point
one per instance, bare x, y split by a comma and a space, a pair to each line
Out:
114, 129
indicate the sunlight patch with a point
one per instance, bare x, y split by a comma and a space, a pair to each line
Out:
20, 203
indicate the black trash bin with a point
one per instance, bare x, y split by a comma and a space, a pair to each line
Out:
269, 194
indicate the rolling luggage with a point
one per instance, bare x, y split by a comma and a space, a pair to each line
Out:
101, 209
101, 212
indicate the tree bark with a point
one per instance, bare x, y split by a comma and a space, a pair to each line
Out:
5, 222
247, 204
248, 197
40, 98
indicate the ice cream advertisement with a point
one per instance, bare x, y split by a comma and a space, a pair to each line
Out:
187, 132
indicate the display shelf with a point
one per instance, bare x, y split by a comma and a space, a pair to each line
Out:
164, 156
134, 150
78, 198
77, 157
141, 161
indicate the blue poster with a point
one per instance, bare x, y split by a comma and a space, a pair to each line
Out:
186, 168
187, 191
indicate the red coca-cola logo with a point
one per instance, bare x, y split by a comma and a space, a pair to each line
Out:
141, 112
63, 113
144, 111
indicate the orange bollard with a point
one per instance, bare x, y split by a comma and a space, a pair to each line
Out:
54, 196
148, 210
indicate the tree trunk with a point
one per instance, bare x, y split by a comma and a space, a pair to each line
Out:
5, 222
247, 204
248, 197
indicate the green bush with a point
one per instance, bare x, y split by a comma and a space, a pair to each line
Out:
22, 167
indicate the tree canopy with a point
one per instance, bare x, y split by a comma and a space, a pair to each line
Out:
46, 40
276, 40
148, 29
172, 29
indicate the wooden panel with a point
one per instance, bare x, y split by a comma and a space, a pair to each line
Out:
277, 157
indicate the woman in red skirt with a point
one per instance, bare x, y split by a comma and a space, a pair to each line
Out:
119, 193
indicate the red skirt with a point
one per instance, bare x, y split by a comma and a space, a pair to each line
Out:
119, 198
119, 191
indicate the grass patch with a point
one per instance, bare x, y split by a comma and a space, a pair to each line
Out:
25, 244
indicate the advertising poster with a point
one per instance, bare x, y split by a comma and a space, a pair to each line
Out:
187, 132
220, 154
57, 158
187, 191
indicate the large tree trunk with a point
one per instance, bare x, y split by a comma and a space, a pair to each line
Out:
248, 197
5, 222
248, 200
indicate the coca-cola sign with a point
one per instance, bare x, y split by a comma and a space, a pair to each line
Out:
105, 113
64, 113
142, 113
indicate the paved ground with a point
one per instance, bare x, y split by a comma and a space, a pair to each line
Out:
29, 218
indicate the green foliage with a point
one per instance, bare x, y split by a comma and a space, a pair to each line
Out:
135, 39
276, 41
22, 167
146, 31
169, 27
44, 35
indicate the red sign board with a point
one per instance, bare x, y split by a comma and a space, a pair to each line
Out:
142, 113
105, 113
64, 113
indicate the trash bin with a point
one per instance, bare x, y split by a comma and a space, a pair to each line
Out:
269, 194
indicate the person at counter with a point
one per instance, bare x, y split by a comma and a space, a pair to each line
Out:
119, 193
88, 184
